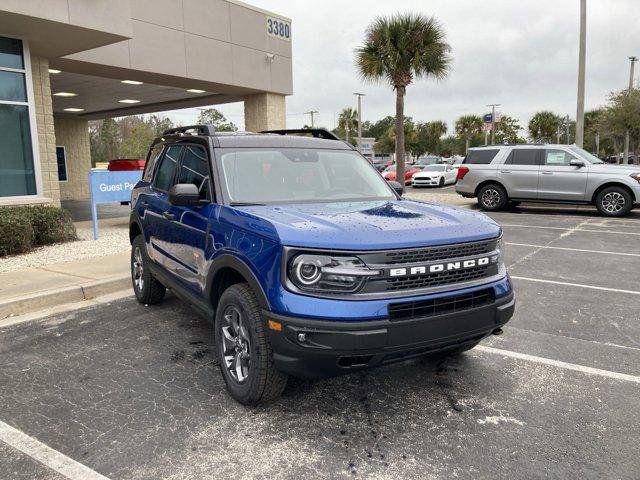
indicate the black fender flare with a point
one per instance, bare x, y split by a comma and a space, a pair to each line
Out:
231, 261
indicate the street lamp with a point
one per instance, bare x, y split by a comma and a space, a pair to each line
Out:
493, 122
359, 95
581, 69
633, 60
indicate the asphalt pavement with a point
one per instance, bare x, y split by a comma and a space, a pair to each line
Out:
125, 391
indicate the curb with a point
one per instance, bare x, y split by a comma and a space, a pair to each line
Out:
50, 298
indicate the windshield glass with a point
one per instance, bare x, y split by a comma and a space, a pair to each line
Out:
584, 154
427, 160
433, 168
292, 175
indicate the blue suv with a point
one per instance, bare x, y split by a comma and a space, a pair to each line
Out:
305, 260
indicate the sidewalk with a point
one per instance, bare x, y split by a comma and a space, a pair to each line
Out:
31, 289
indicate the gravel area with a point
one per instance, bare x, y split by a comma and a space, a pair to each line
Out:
113, 239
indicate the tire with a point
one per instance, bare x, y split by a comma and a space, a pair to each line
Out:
243, 350
614, 202
492, 197
148, 290
441, 182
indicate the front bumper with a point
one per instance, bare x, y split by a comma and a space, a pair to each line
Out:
335, 347
420, 182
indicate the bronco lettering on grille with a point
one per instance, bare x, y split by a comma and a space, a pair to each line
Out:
441, 267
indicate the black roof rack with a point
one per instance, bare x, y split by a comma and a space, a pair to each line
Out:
198, 129
313, 132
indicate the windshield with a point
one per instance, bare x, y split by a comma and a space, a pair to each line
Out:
293, 175
584, 154
433, 168
427, 160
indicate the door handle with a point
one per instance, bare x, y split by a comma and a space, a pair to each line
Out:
169, 216
547, 173
505, 171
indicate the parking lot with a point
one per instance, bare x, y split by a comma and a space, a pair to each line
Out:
133, 392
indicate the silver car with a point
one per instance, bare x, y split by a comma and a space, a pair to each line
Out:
500, 175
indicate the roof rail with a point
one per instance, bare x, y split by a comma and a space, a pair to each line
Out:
199, 130
314, 132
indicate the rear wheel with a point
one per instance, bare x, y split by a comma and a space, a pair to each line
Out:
147, 289
492, 197
614, 202
244, 353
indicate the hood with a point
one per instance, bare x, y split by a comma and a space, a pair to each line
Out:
374, 225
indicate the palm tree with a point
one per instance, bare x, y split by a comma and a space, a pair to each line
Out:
397, 50
543, 126
348, 121
467, 127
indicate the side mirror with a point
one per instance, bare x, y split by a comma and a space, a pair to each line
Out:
576, 163
184, 195
396, 186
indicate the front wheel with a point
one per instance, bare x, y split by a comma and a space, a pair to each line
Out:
614, 202
492, 197
243, 349
441, 183
147, 289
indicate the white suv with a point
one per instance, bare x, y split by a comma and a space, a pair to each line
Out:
501, 174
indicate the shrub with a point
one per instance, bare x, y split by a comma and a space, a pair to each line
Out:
16, 233
24, 227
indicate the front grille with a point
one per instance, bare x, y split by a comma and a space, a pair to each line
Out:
442, 305
440, 278
439, 253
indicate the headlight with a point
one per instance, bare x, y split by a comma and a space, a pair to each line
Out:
636, 176
328, 273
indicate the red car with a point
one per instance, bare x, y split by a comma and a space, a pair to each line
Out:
126, 164
390, 172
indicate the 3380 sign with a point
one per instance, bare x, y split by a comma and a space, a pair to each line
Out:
279, 28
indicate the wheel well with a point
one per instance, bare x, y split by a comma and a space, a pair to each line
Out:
223, 279
134, 231
487, 182
613, 184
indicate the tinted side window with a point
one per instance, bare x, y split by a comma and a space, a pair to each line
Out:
523, 156
480, 157
557, 157
195, 169
167, 169
154, 155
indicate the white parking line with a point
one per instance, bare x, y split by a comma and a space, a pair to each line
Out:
568, 228
580, 285
557, 363
46, 455
604, 252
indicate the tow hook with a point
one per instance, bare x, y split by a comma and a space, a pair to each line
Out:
497, 331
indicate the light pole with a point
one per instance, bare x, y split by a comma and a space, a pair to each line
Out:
312, 113
359, 95
633, 60
493, 121
581, 68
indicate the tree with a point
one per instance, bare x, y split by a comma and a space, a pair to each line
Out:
348, 121
159, 124
378, 129
386, 143
507, 130
452, 145
106, 141
623, 114
543, 127
397, 50
211, 116
137, 143
467, 127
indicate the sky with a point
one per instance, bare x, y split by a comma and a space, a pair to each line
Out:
522, 54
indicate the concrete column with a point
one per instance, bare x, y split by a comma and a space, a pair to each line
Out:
73, 135
264, 111
44, 127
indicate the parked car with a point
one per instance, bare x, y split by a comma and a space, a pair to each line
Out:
305, 261
381, 163
498, 175
428, 160
435, 176
389, 173
122, 164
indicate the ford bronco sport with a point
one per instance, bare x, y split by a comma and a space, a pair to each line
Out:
305, 260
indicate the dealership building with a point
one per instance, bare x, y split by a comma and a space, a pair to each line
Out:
65, 62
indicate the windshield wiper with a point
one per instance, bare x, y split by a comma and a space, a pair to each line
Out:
246, 204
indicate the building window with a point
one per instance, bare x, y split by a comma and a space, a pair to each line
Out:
61, 157
17, 163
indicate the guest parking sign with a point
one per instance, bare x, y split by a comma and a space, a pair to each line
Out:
110, 187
